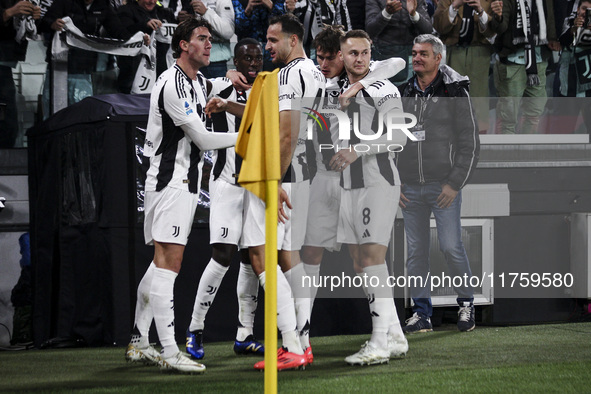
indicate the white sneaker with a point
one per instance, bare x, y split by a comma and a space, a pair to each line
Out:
148, 356
397, 346
369, 355
181, 363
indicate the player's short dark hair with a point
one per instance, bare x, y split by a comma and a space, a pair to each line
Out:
328, 40
184, 31
246, 41
355, 34
290, 24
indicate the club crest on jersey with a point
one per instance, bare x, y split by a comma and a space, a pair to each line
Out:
188, 109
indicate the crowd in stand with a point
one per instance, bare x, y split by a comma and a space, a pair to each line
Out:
522, 41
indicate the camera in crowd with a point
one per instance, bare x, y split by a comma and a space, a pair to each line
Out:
587, 20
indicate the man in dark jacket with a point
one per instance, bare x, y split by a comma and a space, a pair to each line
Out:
525, 35
433, 171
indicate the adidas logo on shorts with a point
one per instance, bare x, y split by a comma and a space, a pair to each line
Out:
366, 234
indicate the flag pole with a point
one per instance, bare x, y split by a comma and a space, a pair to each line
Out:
271, 287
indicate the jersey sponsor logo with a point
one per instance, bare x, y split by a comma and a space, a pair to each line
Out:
188, 109
176, 230
385, 98
287, 96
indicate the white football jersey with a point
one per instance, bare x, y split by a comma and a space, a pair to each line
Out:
299, 78
368, 170
175, 100
226, 163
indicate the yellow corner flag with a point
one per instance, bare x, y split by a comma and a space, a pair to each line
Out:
258, 139
258, 145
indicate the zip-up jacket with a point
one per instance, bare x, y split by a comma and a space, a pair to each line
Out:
451, 146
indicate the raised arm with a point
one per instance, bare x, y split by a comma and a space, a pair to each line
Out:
288, 120
222, 20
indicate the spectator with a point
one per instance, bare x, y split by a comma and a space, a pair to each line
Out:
175, 5
431, 6
252, 20
522, 37
145, 16
392, 26
431, 182
575, 79
357, 14
90, 16
10, 53
220, 15
562, 9
315, 14
464, 28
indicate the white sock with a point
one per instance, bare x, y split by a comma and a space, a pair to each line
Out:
363, 287
313, 271
291, 341
395, 328
208, 287
162, 299
286, 319
380, 305
301, 292
247, 290
143, 308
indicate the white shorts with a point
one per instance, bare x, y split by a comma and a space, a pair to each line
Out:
168, 215
295, 228
323, 212
225, 212
290, 235
367, 215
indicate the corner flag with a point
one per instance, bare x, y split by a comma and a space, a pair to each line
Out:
258, 138
258, 145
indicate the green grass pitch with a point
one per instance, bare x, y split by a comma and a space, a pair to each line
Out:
541, 358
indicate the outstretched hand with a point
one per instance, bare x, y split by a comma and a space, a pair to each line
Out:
215, 105
238, 80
